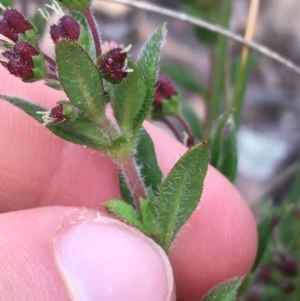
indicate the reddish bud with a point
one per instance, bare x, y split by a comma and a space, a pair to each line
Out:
63, 111
26, 50
265, 273
297, 213
164, 90
288, 287
20, 61
286, 264
67, 28
7, 31
113, 65
57, 114
16, 20
191, 141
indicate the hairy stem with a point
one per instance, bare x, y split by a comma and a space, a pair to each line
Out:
108, 128
49, 60
174, 130
92, 24
134, 180
185, 125
52, 76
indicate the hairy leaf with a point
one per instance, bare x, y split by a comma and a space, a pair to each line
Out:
80, 78
147, 63
85, 39
124, 211
180, 192
128, 98
80, 131
226, 291
223, 146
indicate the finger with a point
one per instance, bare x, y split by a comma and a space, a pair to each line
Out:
218, 242
59, 253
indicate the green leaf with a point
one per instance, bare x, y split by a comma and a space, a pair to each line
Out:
146, 159
180, 192
294, 195
53, 84
40, 22
6, 3
124, 189
39, 69
225, 291
150, 219
128, 98
80, 78
80, 131
148, 63
223, 146
78, 5
171, 106
30, 36
85, 39
150, 171
192, 119
124, 211
264, 229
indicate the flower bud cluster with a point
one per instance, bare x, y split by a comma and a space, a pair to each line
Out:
67, 28
63, 111
164, 90
286, 264
113, 65
19, 61
13, 23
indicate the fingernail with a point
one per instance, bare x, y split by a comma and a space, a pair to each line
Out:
108, 260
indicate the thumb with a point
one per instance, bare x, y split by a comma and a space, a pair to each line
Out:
60, 253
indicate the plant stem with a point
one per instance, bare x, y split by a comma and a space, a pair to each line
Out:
242, 74
50, 61
92, 24
108, 128
134, 180
185, 125
52, 76
212, 27
170, 125
220, 74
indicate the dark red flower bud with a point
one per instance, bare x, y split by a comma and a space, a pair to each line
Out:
57, 114
265, 273
67, 28
7, 31
286, 264
16, 20
191, 141
26, 50
164, 90
288, 287
20, 61
113, 65
297, 213
63, 111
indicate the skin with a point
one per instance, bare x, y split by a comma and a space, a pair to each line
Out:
49, 186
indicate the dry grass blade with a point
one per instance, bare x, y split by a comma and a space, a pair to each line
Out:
253, 12
212, 27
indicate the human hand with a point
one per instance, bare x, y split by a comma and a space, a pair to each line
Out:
58, 248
